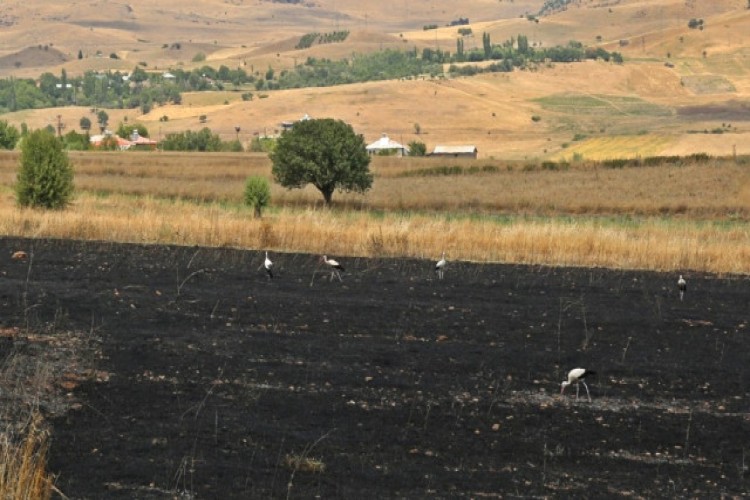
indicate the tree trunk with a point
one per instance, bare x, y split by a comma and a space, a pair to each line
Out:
327, 195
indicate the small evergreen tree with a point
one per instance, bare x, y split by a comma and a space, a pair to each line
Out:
103, 119
85, 124
9, 135
45, 174
257, 193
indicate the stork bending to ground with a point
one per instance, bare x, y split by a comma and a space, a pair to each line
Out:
269, 266
682, 286
440, 266
335, 267
576, 376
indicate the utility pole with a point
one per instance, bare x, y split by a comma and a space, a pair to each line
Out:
60, 126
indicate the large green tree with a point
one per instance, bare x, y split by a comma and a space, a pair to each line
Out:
45, 174
326, 153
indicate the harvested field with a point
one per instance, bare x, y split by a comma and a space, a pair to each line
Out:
212, 381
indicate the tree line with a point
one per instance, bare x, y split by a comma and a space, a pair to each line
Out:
114, 89
143, 89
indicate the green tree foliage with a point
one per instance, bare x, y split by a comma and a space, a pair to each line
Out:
383, 65
125, 130
73, 141
234, 146
523, 44
552, 6
203, 140
18, 94
138, 75
111, 90
85, 123
417, 148
326, 153
103, 119
45, 174
486, 45
257, 193
309, 39
9, 135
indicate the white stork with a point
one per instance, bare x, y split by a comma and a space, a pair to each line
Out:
440, 266
268, 264
576, 376
682, 286
335, 267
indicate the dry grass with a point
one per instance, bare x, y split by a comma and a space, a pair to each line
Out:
666, 217
23, 462
717, 189
649, 243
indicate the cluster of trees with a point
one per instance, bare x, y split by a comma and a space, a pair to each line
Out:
203, 140
326, 153
520, 52
143, 90
551, 6
309, 39
383, 65
140, 89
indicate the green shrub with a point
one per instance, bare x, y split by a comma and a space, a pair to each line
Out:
257, 193
9, 135
45, 174
417, 148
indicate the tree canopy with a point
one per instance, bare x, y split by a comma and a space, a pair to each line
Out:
9, 135
45, 174
326, 153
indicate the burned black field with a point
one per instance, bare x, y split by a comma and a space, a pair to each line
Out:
210, 380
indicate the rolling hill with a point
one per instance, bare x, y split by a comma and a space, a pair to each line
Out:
677, 82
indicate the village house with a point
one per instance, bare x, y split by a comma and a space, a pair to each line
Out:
467, 151
386, 145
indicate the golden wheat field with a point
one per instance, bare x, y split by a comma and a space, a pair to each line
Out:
666, 217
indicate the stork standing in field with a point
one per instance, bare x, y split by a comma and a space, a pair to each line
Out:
576, 376
268, 265
335, 267
682, 286
440, 266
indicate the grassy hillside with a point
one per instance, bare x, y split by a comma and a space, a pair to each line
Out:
676, 81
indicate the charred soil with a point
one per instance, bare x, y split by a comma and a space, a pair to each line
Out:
204, 378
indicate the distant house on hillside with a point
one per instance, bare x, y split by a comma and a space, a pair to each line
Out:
98, 139
138, 142
134, 142
468, 151
386, 145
